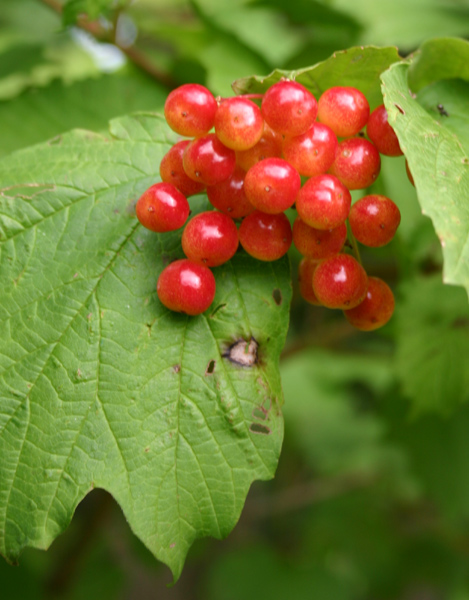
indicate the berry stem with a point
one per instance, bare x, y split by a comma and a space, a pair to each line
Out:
353, 242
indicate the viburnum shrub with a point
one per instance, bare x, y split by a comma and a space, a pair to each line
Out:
252, 167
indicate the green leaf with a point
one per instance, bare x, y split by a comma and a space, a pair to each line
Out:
43, 113
406, 23
442, 58
437, 153
432, 344
100, 385
357, 67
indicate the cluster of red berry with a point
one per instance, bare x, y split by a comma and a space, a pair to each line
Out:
251, 168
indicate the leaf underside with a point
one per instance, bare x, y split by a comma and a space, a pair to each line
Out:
100, 385
433, 131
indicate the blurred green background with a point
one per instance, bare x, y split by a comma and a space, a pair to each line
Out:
371, 497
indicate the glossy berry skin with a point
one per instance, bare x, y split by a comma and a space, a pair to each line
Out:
269, 146
190, 110
162, 208
289, 108
313, 152
340, 282
228, 196
374, 220
172, 171
272, 185
318, 243
265, 237
382, 134
208, 161
323, 202
239, 123
357, 163
375, 310
306, 270
344, 109
185, 286
210, 238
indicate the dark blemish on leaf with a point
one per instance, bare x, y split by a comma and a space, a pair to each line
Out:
210, 367
465, 161
259, 428
460, 323
176, 368
277, 296
147, 449
441, 110
243, 353
401, 110
219, 307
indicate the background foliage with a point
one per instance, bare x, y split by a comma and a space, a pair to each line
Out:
371, 496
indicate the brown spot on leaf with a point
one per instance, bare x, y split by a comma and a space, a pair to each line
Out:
400, 109
210, 367
259, 428
176, 368
277, 296
243, 353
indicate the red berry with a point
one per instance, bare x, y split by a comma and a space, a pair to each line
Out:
313, 152
318, 243
375, 310
266, 237
229, 197
289, 108
190, 110
208, 161
357, 163
374, 220
269, 146
185, 286
162, 208
239, 123
271, 185
306, 270
340, 282
172, 171
382, 134
323, 202
344, 109
210, 238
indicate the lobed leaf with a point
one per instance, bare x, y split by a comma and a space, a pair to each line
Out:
100, 385
435, 142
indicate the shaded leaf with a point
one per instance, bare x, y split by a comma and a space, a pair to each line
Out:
433, 344
100, 385
43, 113
442, 58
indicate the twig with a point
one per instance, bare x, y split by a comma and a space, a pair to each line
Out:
132, 53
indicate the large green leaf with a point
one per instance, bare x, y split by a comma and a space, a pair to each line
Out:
40, 114
435, 142
358, 67
100, 385
433, 344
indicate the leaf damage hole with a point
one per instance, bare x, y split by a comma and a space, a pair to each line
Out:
260, 413
25, 190
219, 307
243, 353
210, 367
259, 428
277, 296
401, 110
176, 368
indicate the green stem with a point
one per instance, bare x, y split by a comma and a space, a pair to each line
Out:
354, 244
